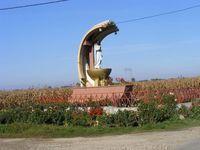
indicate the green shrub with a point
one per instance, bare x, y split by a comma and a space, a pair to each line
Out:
14, 115
148, 112
6, 117
170, 106
106, 120
81, 119
195, 112
54, 117
126, 118
20, 115
120, 119
39, 116
152, 112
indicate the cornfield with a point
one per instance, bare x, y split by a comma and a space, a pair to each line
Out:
33, 96
184, 90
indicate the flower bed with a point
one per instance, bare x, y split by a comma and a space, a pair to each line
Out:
65, 115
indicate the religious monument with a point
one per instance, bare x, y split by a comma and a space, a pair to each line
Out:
91, 73
94, 79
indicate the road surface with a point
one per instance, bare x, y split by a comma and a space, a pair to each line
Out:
188, 139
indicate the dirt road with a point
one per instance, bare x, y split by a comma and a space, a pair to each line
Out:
170, 140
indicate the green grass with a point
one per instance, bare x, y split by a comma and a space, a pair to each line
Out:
18, 130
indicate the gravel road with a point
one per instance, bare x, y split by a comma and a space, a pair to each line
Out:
168, 140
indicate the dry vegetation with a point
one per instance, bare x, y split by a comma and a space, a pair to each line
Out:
184, 90
21, 97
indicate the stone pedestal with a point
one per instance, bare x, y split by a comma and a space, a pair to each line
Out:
115, 94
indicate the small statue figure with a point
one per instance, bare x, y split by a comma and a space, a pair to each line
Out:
99, 56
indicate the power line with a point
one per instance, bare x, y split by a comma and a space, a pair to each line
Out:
160, 14
32, 5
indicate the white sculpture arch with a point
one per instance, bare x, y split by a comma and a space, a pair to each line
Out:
86, 50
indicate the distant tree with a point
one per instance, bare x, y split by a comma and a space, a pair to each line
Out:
143, 80
156, 79
132, 79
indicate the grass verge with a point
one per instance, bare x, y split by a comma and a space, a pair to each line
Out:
19, 130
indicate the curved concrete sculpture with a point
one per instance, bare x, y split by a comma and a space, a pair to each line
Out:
94, 79
90, 76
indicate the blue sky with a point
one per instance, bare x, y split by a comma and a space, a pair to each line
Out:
38, 45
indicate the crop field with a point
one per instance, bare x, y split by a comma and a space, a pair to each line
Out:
184, 90
33, 96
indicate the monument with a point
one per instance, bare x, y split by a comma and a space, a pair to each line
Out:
94, 79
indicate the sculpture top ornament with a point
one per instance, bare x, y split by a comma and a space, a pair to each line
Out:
90, 56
